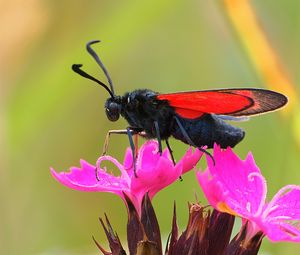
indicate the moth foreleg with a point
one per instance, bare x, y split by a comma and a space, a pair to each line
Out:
110, 132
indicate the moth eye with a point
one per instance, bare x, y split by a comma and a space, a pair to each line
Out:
113, 111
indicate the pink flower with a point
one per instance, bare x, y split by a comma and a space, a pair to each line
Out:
154, 173
237, 187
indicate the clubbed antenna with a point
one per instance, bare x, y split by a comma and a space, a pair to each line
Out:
77, 69
99, 62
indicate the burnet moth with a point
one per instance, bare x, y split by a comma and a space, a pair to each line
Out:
196, 117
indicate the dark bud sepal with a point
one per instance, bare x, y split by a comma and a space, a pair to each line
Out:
143, 233
241, 244
206, 233
113, 239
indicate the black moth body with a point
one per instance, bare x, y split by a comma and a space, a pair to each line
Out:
141, 109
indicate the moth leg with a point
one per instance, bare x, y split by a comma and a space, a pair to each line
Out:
158, 137
136, 144
189, 140
135, 133
172, 156
106, 142
171, 152
129, 134
129, 131
110, 132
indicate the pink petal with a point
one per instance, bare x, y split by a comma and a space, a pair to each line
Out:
237, 187
281, 231
128, 161
84, 179
242, 182
124, 175
190, 159
148, 155
212, 189
152, 178
154, 172
165, 175
286, 203
281, 215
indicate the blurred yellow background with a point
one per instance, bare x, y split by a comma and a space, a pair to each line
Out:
52, 117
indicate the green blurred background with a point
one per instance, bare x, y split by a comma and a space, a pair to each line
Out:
52, 117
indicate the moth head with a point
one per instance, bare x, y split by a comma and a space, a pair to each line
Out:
113, 104
112, 109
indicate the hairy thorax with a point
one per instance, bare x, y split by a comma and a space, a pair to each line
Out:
141, 109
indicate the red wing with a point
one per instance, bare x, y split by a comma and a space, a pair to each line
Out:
233, 102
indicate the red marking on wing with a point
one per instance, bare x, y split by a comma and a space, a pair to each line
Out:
196, 103
188, 114
234, 102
